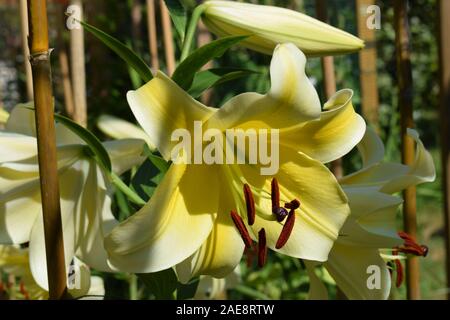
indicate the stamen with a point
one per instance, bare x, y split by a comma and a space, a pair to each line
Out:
249, 256
399, 271
262, 248
287, 229
294, 204
275, 195
250, 202
24, 291
239, 223
281, 213
410, 246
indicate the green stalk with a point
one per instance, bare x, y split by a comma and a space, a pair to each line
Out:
133, 196
190, 34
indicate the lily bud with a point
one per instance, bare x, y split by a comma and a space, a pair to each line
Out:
268, 26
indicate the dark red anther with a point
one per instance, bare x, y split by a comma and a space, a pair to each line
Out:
399, 271
239, 223
410, 246
287, 229
275, 195
24, 291
294, 204
250, 203
262, 248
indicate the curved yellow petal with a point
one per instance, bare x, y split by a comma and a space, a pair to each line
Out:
16, 147
317, 289
124, 154
335, 134
120, 129
352, 267
161, 107
171, 226
394, 177
371, 148
21, 120
322, 212
221, 252
291, 100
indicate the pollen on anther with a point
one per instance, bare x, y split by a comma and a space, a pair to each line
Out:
294, 204
262, 248
239, 223
250, 203
287, 229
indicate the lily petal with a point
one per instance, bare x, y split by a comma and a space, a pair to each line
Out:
125, 154
335, 134
16, 147
317, 289
348, 265
179, 215
291, 100
161, 107
221, 252
394, 177
322, 212
120, 129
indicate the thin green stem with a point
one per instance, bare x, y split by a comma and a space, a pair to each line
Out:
190, 34
133, 196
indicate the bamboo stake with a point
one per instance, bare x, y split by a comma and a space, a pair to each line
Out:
405, 84
25, 49
152, 34
444, 22
168, 38
329, 79
367, 65
45, 129
65, 74
136, 21
78, 69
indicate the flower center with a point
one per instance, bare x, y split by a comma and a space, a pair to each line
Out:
279, 214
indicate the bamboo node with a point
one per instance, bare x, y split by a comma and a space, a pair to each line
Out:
38, 57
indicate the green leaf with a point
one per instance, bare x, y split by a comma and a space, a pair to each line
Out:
97, 148
149, 174
184, 74
162, 284
188, 290
206, 79
179, 16
124, 52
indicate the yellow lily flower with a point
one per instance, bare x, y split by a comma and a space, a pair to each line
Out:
85, 200
187, 222
371, 227
15, 261
268, 26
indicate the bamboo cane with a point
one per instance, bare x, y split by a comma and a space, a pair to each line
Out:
405, 85
78, 69
168, 37
45, 129
25, 49
444, 22
152, 34
64, 67
367, 64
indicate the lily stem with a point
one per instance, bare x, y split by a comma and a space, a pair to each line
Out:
132, 195
190, 33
